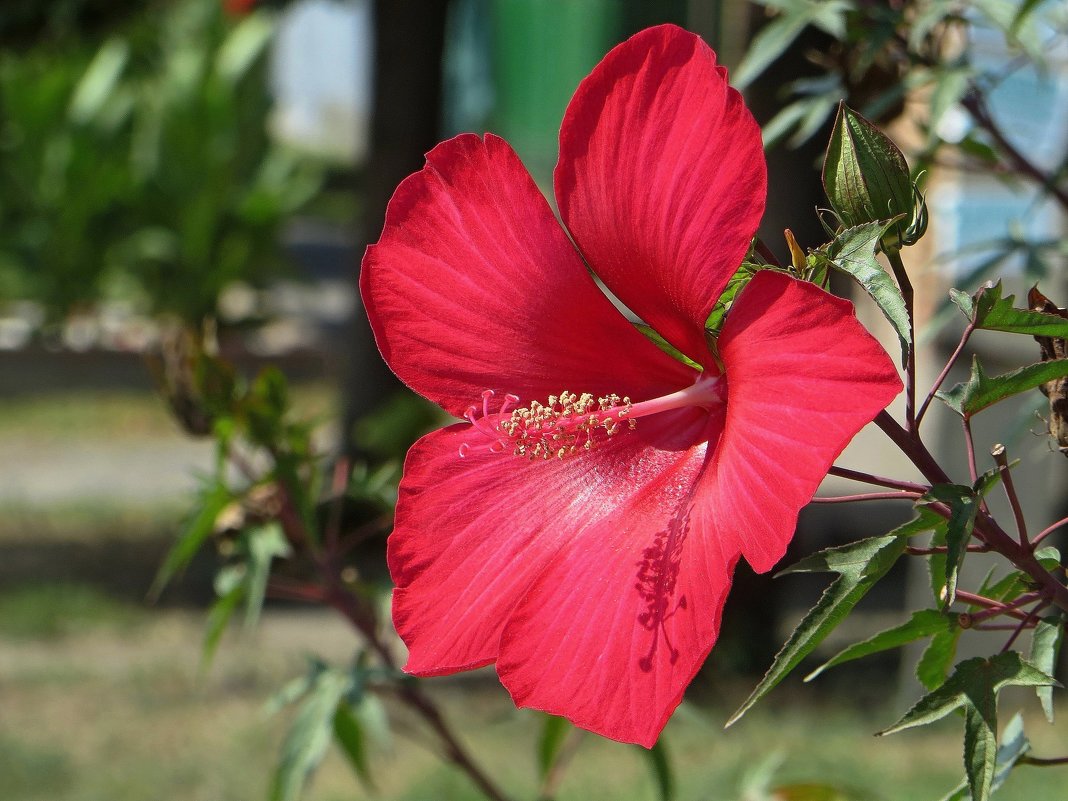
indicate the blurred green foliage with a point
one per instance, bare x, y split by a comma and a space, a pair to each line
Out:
140, 167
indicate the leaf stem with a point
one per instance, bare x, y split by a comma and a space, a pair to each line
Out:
1029, 622
1048, 530
914, 551
909, 296
1006, 609
987, 603
879, 481
945, 372
1040, 762
869, 496
973, 469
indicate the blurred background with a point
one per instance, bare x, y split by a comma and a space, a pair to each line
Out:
219, 166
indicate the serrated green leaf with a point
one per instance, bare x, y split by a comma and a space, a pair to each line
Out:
350, 738
949, 87
865, 174
974, 683
1007, 587
1045, 646
990, 479
924, 623
963, 506
211, 501
974, 686
927, 16
980, 747
218, 618
859, 565
981, 391
853, 252
773, 39
992, 312
309, 736
937, 658
659, 761
294, 689
1014, 746
770, 43
264, 543
554, 732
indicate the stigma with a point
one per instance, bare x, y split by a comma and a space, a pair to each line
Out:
570, 423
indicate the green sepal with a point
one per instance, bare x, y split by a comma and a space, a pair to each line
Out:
988, 310
925, 623
866, 177
981, 391
853, 252
859, 566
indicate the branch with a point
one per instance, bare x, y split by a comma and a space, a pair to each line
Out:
870, 496
945, 371
879, 481
986, 528
975, 104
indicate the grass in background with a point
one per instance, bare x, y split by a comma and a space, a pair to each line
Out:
47, 611
100, 715
126, 415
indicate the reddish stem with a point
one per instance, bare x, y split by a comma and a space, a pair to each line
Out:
879, 481
986, 528
869, 496
945, 372
1048, 530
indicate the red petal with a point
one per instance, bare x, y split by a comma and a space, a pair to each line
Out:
803, 376
474, 285
618, 624
661, 179
472, 534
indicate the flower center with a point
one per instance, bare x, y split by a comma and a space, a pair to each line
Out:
569, 423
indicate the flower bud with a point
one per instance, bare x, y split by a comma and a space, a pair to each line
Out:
867, 180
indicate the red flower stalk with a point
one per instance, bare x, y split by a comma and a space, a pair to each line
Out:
581, 528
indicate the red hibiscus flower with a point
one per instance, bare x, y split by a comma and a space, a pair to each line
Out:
581, 528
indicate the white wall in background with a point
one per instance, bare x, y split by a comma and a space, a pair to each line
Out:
321, 77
